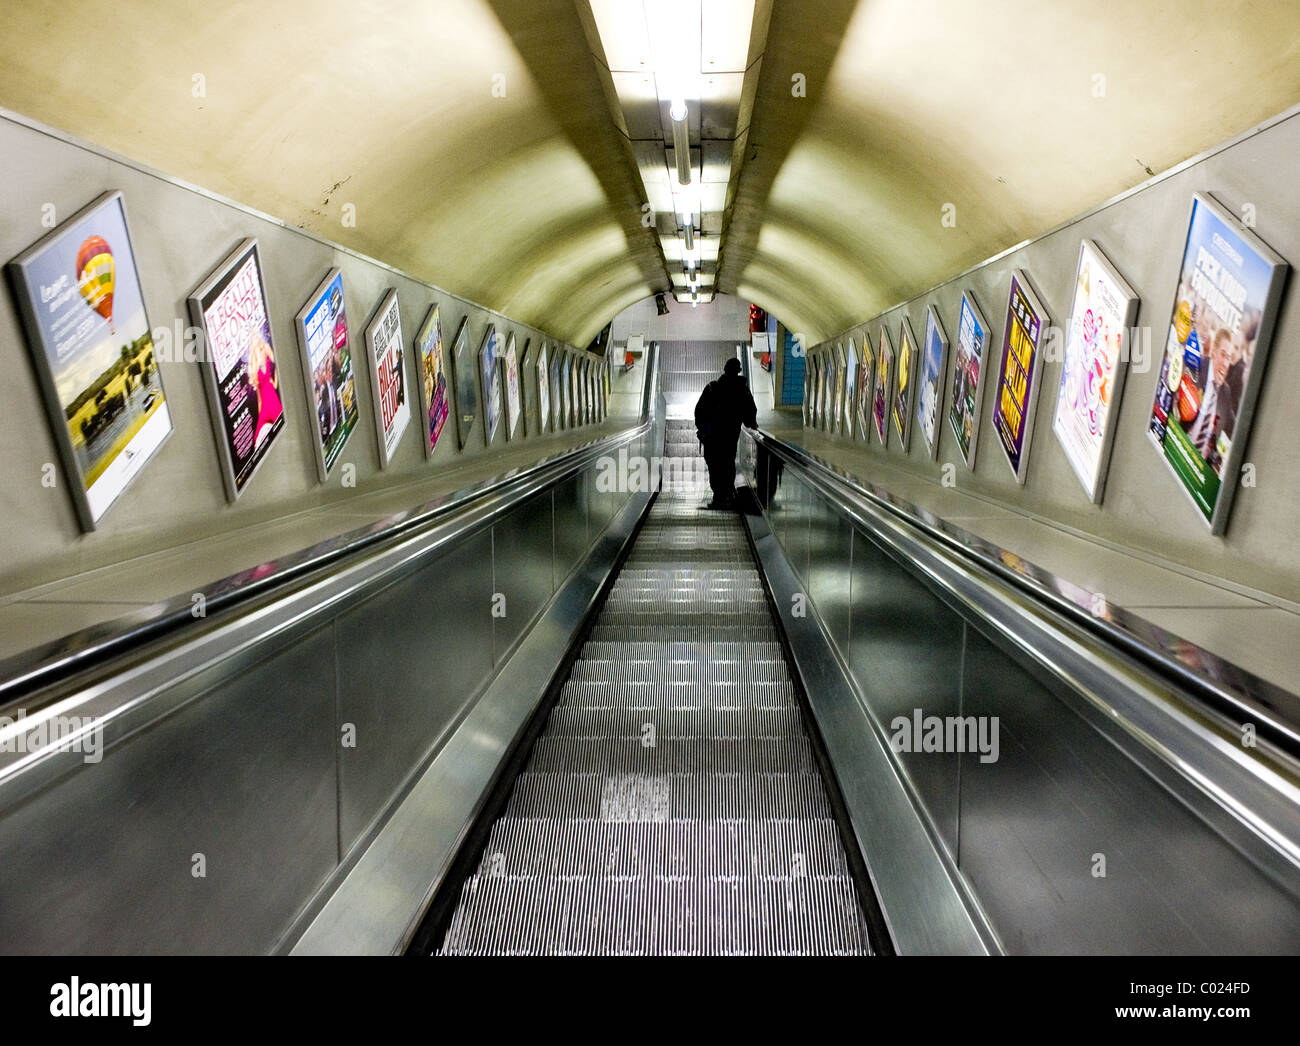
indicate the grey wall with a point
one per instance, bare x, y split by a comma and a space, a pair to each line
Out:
179, 235
1144, 507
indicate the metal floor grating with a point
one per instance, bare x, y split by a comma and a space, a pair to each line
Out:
672, 804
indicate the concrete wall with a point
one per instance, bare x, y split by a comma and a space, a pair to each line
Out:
1144, 508
179, 235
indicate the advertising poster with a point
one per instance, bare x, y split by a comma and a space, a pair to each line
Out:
557, 389
543, 387
1021, 360
1092, 376
527, 388
388, 389
488, 359
965, 405
571, 389
905, 389
866, 385
934, 363
850, 386
837, 406
325, 344
240, 372
435, 397
466, 365
514, 398
884, 386
79, 294
1224, 310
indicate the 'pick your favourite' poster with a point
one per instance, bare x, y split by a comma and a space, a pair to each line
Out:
1229, 286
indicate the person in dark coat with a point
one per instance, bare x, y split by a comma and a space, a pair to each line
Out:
723, 406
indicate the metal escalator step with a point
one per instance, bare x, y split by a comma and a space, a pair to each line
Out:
642, 670
667, 797
692, 651
681, 633
521, 847
686, 616
674, 724
662, 916
726, 755
679, 695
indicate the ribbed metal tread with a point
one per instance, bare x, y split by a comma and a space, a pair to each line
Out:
611, 915
601, 796
719, 755
672, 803
530, 846
674, 724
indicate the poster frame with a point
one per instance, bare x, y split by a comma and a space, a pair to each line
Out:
969, 303
432, 323
514, 405
934, 322
1019, 278
489, 383
1279, 267
56, 412
905, 364
218, 276
881, 399
1094, 485
387, 304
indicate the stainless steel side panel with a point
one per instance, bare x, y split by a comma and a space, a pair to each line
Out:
204, 832
406, 671
522, 571
924, 905
377, 906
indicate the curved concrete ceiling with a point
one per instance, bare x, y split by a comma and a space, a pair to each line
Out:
531, 203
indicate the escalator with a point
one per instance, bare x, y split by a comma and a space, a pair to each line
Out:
673, 802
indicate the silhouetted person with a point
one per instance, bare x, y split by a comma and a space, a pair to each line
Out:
723, 406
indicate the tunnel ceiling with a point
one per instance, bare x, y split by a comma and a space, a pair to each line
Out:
478, 143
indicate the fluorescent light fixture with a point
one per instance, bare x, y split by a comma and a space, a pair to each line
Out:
677, 111
689, 234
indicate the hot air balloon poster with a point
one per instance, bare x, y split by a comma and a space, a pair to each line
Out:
240, 372
79, 294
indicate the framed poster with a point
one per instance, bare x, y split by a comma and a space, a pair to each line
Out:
435, 390
514, 398
323, 340
1225, 308
905, 386
557, 389
466, 365
388, 390
1018, 373
78, 291
850, 386
543, 388
866, 386
240, 374
884, 387
837, 403
1092, 377
807, 390
570, 391
966, 404
930, 381
487, 370
528, 387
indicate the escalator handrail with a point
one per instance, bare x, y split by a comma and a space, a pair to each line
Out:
1235, 693
45, 666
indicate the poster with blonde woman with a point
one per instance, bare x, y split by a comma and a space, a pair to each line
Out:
239, 368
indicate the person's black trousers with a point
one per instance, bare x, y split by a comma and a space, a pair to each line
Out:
720, 456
